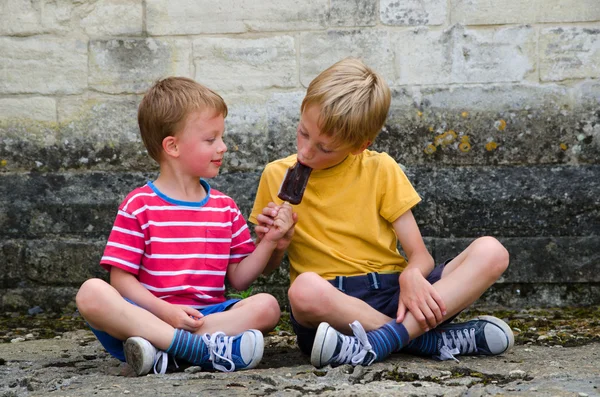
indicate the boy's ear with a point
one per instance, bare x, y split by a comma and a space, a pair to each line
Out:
170, 148
362, 148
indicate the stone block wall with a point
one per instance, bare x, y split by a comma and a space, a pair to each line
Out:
495, 116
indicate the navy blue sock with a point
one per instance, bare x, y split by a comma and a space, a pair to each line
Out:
389, 338
188, 347
425, 345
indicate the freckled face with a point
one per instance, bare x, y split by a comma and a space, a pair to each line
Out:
315, 150
200, 144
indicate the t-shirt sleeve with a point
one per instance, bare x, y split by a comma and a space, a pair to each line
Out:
242, 244
397, 195
264, 194
125, 245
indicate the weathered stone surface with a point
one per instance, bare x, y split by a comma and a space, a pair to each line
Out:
37, 109
569, 53
353, 13
518, 201
503, 124
61, 263
318, 51
245, 65
543, 260
413, 12
484, 12
25, 18
76, 365
132, 65
283, 112
114, 17
229, 16
246, 135
43, 65
459, 55
11, 260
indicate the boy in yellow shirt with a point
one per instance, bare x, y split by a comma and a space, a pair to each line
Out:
354, 298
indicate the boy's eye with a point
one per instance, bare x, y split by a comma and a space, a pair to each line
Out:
325, 150
211, 140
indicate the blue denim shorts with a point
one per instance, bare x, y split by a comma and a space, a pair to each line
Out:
114, 346
380, 291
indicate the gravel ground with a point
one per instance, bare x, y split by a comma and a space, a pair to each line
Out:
557, 353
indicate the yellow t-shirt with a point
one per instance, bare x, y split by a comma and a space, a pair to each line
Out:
345, 218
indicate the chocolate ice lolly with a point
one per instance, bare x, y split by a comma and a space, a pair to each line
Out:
294, 183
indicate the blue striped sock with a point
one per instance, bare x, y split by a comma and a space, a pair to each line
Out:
426, 344
188, 347
389, 338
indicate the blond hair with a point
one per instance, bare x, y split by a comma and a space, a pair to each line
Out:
167, 104
353, 100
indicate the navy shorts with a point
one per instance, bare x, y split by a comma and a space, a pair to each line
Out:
114, 346
380, 291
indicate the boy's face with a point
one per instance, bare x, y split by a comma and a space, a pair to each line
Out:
200, 144
315, 150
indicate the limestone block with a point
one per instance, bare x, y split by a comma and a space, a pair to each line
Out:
353, 13
241, 65
11, 254
43, 65
19, 17
132, 65
319, 50
113, 17
283, 111
413, 12
245, 134
569, 53
177, 17
60, 262
540, 259
32, 109
460, 55
497, 12
529, 201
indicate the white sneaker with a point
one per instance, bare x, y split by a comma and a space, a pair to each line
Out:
331, 347
231, 353
141, 355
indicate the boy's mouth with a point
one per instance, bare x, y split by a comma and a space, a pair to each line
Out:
217, 162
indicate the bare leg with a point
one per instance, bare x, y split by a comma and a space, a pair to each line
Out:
259, 311
105, 309
464, 279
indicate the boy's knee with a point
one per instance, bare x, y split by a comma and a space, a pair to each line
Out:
496, 252
88, 298
307, 293
267, 309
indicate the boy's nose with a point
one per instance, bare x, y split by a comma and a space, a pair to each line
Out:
306, 152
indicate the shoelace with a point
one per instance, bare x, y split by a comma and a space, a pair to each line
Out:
355, 348
458, 342
163, 357
219, 346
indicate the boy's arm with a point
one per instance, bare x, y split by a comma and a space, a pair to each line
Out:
265, 221
416, 294
242, 274
178, 316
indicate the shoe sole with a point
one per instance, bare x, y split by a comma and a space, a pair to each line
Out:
258, 350
134, 357
318, 345
502, 325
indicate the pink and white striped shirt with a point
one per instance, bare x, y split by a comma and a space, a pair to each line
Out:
178, 250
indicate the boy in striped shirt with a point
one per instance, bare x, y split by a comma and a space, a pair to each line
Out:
173, 243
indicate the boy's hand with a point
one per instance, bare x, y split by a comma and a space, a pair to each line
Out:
267, 221
183, 317
419, 297
282, 224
